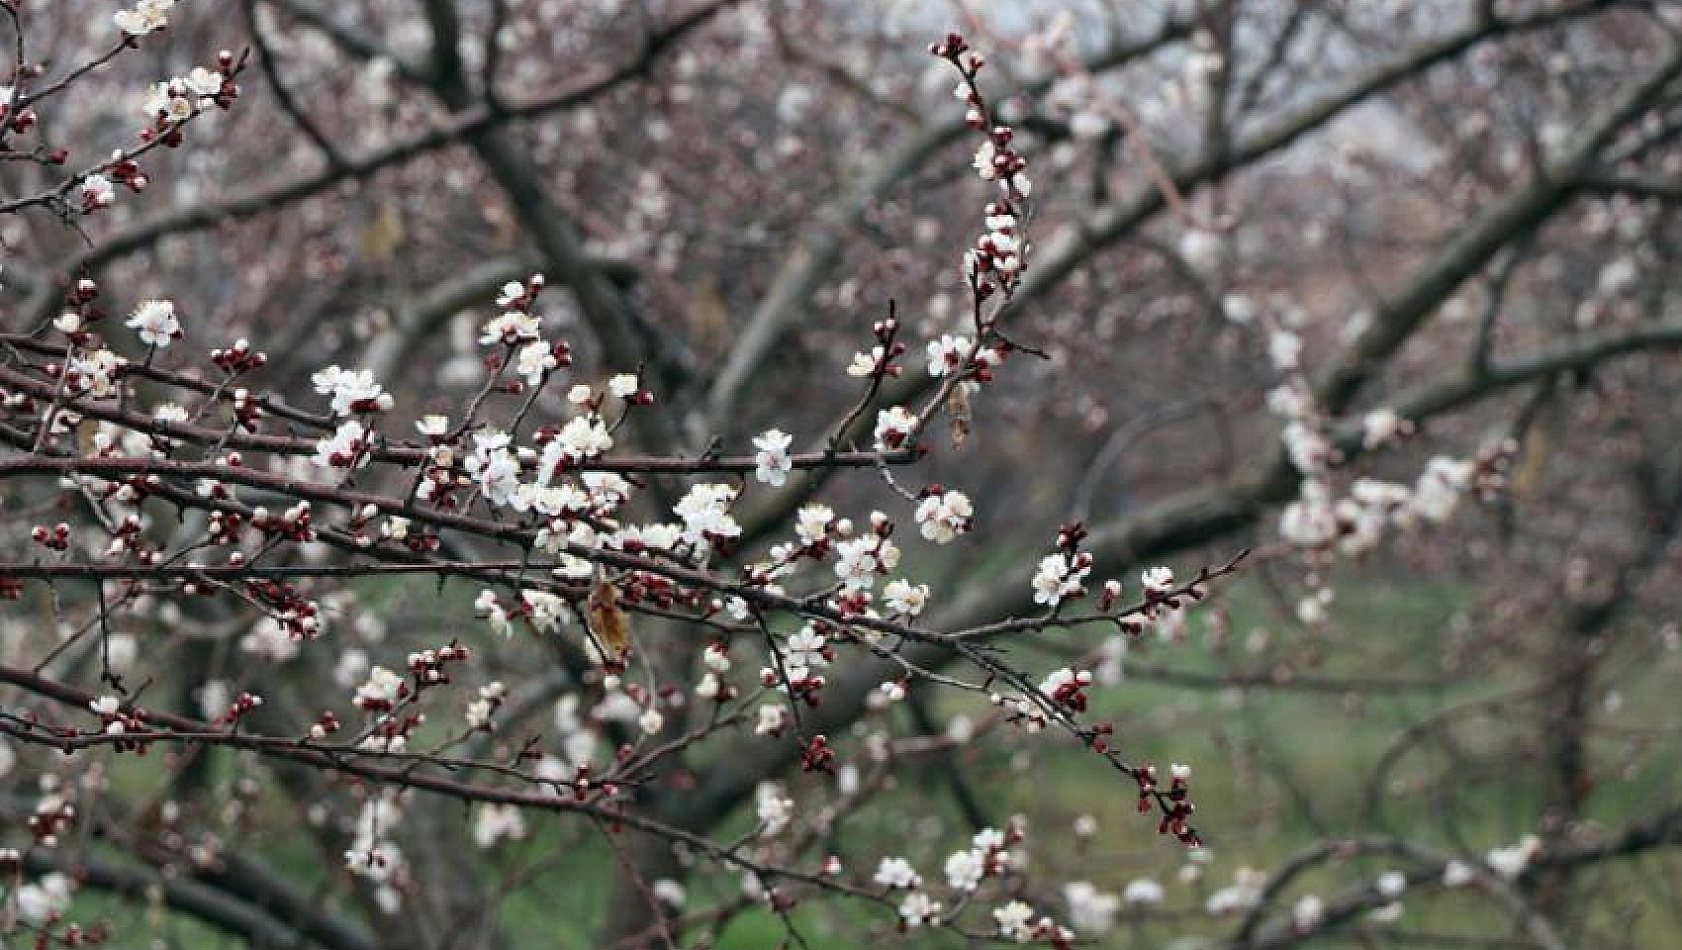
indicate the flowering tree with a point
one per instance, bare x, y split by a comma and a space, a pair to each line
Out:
603, 500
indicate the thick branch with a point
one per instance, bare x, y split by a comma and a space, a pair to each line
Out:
201, 901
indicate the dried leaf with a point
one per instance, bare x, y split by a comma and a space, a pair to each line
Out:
958, 412
85, 432
608, 622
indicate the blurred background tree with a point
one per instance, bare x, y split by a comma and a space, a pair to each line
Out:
1460, 213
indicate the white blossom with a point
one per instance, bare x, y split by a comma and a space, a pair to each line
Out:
864, 364
373, 854
772, 462
651, 721
893, 427
1238, 309
483, 707
269, 640
773, 807
1308, 912
154, 321
894, 872
214, 698
670, 893
494, 466
203, 82
770, 719
623, 386
1242, 894
496, 821
351, 390
1157, 580
705, 512
617, 706
737, 608
98, 192
585, 436
1307, 446
382, 688
805, 648
1015, 921
38, 901
347, 444
1380, 426
513, 292
1510, 862
1291, 402
121, 650
145, 17
487, 606
1310, 521
947, 353
511, 328
1091, 911
1201, 249
919, 909
549, 612
708, 687
1284, 348
1387, 913
1457, 873
904, 597
811, 522
607, 490
1437, 492
95, 373
859, 560
380, 742
965, 869
752, 887
944, 515
1142, 890
1059, 576
983, 160
168, 101
534, 361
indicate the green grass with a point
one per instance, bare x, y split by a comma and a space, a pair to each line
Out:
1277, 771
1273, 772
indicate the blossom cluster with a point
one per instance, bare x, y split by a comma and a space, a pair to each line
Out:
1319, 521
989, 856
276, 498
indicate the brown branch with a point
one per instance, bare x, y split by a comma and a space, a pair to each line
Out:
289, 445
201, 901
353, 764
